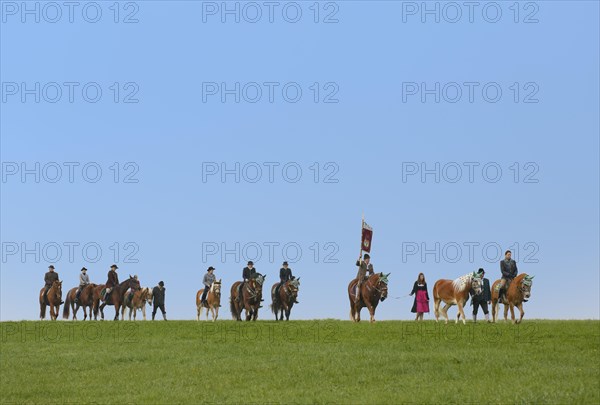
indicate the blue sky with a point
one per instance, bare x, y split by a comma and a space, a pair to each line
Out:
159, 207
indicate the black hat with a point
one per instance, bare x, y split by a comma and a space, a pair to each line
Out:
161, 283
210, 268
51, 266
114, 266
285, 263
366, 256
83, 268
250, 262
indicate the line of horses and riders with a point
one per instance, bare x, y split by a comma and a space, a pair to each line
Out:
366, 290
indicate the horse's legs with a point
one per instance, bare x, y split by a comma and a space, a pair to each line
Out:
371, 312
506, 312
134, 313
494, 303
102, 310
520, 306
512, 313
461, 312
144, 310
357, 309
436, 308
445, 311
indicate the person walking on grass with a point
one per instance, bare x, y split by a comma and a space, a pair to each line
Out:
482, 300
421, 303
158, 296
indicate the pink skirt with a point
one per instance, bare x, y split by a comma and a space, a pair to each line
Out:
422, 302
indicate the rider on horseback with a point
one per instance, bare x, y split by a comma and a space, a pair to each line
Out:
208, 280
248, 274
50, 277
113, 280
285, 275
508, 267
364, 266
84, 280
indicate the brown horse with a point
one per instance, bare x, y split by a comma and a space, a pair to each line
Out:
518, 291
288, 293
86, 299
138, 300
213, 301
116, 296
373, 290
455, 293
250, 299
54, 297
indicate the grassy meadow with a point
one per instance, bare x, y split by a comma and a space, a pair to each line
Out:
304, 362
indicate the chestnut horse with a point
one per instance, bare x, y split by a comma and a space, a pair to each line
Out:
54, 297
455, 293
116, 296
288, 293
250, 300
213, 301
86, 299
518, 291
373, 290
138, 300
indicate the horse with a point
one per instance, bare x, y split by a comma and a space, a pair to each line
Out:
455, 293
286, 299
213, 300
372, 291
116, 296
86, 299
518, 291
136, 300
54, 297
250, 299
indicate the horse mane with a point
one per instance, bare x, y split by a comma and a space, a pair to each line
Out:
460, 284
520, 277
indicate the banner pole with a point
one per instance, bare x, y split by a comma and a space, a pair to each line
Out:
361, 231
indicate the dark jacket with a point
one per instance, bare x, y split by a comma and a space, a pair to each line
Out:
486, 293
363, 269
509, 270
50, 278
158, 295
285, 274
248, 273
113, 279
417, 287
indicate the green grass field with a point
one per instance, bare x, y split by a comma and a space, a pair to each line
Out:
388, 362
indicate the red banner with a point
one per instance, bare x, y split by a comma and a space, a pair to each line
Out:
367, 237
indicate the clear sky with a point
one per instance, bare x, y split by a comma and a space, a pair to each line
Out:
457, 139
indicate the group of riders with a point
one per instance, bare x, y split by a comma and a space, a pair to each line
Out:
508, 269
158, 292
248, 273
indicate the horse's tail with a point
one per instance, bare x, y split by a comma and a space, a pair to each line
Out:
67, 306
232, 308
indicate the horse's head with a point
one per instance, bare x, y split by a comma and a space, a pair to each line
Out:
476, 283
293, 286
382, 285
133, 282
259, 280
57, 285
216, 287
525, 287
148, 295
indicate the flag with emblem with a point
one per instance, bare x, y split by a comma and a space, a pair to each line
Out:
367, 237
